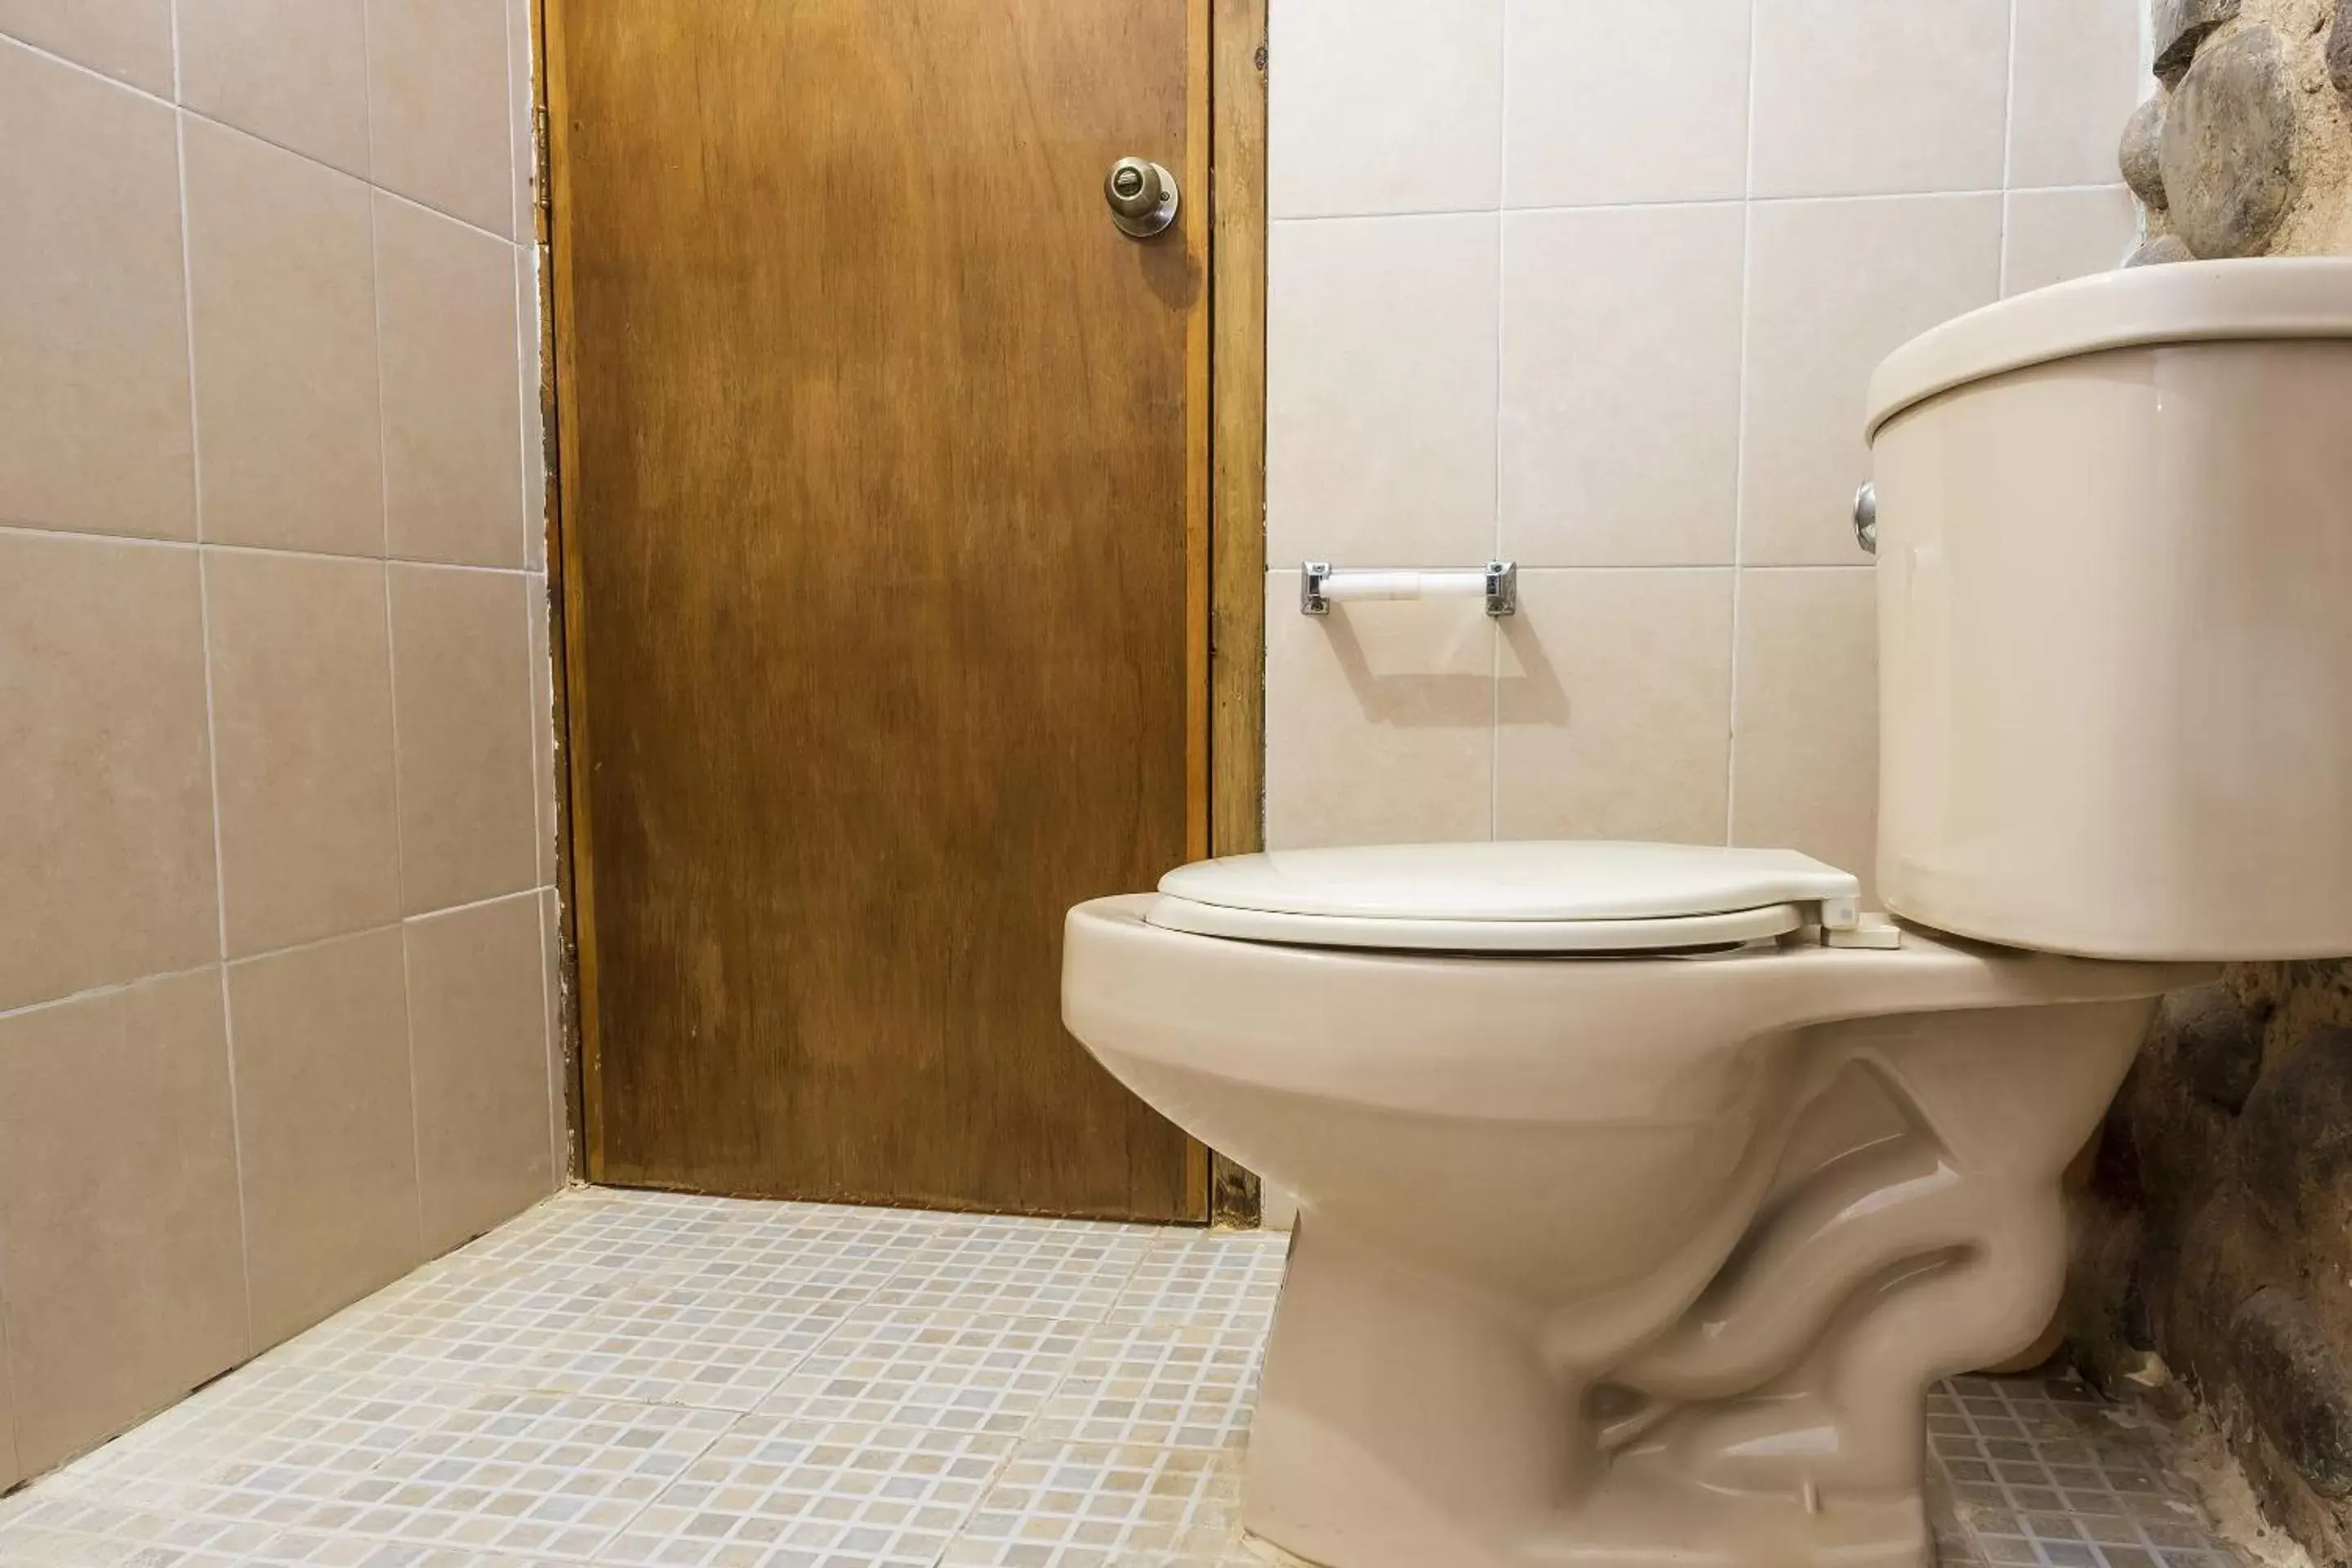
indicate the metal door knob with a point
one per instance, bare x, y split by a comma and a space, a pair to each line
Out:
1142, 196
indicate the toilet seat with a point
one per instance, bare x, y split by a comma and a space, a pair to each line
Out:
1544, 897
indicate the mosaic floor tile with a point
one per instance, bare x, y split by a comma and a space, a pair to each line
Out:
674, 1344
1185, 1383
776, 1491
974, 1371
2038, 1475
1080, 1505
645, 1380
524, 1474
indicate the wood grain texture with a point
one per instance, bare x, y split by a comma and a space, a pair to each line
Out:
1237, 626
885, 555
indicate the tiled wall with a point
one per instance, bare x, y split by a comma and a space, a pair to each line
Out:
276, 840
1597, 287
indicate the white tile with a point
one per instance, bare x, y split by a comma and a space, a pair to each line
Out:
1625, 103
1381, 344
1620, 424
1805, 760
1616, 707
1383, 106
1885, 97
2056, 235
1834, 288
2078, 78
676, 1344
1378, 721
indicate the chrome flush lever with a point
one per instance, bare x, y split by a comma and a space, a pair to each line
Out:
1865, 518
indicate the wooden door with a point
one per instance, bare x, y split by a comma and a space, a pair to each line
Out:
883, 484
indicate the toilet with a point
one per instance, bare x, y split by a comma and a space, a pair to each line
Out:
1644, 1189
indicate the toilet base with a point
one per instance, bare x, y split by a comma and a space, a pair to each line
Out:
1756, 1399
1712, 1531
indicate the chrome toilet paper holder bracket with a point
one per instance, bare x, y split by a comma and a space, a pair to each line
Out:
1322, 586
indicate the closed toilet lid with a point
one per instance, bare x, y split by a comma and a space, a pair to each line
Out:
1532, 896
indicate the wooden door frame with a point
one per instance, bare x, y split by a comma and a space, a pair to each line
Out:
1225, 544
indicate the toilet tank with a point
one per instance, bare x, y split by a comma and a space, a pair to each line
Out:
2115, 589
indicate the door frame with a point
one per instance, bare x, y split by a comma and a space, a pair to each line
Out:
1225, 509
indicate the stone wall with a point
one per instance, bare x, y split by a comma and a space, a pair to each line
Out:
2214, 1267
2245, 149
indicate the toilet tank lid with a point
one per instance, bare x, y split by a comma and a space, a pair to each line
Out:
2189, 301
1535, 880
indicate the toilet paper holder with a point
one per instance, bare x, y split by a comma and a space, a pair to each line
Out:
1322, 586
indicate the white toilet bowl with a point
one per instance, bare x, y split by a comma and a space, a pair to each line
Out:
1608, 1258
1640, 1193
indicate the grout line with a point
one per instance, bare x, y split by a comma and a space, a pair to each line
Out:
7, 39
217, 548
212, 725
2008, 152
1502, 341
90, 993
1820, 199
1740, 444
392, 687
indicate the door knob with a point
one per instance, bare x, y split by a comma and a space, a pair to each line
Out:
1142, 196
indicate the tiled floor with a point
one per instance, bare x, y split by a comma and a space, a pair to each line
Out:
639, 1379
2041, 1470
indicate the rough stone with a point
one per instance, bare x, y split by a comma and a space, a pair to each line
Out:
2139, 156
2215, 1043
2296, 1385
2339, 48
2161, 250
2294, 1136
2228, 148
2180, 25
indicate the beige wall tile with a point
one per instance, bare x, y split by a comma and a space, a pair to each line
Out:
2078, 78
1860, 100
438, 83
130, 40
1834, 288
461, 675
326, 1131
559, 1069
1384, 106
478, 1032
1620, 386
11, 1468
522, 151
106, 804
452, 436
119, 1203
531, 420
1626, 103
295, 74
1616, 707
288, 409
302, 722
537, 628
1380, 405
94, 431
1805, 760
2054, 236
1380, 722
